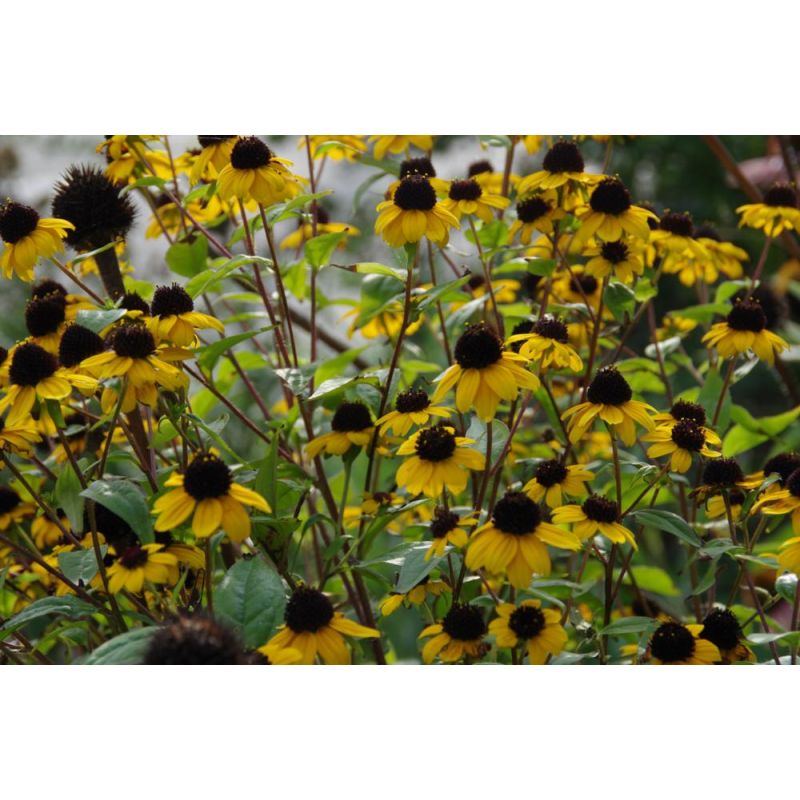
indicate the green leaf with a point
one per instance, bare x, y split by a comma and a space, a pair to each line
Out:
67, 494
291, 208
706, 312
786, 586
415, 567
208, 356
209, 279
620, 299
124, 498
127, 648
251, 599
478, 431
544, 267
644, 290
443, 292
779, 422
319, 250
266, 483
655, 579
491, 236
373, 268
629, 625
335, 366
738, 440
99, 320
767, 638
668, 522
188, 258
709, 396
80, 566
66, 606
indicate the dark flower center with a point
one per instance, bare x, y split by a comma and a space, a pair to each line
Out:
551, 328
207, 476
526, 326
747, 315
78, 343
677, 223
530, 284
736, 497
464, 622
784, 464
516, 513
683, 409
608, 387
722, 472
31, 364
115, 530
532, 209
527, 622
435, 444
550, 473
465, 190
583, 284
415, 193
16, 222
721, 628
133, 557
774, 307
610, 197
193, 639
250, 152
9, 500
781, 195
614, 252
208, 141
411, 400
671, 643
132, 301
563, 157
308, 610
443, 522
478, 347
707, 232
3, 355
793, 483
93, 204
475, 282
600, 509
417, 166
171, 300
132, 341
46, 287
44, 315
688, 435
479, 168
351, 417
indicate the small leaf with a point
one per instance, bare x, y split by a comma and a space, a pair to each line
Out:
80, 566
188, 258
66, 606
123, 498
669, 522
208, 356
786, 586
319, 250
629, 625
68, 498
98, 321
373, 268
127, 648
415, 567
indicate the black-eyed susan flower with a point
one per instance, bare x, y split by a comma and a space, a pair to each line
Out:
676, 644
45, 317
208, 492
336, 147
76, 346
170, 218
459, 634
536, 629
438, 459
467, 197
721, 628
484, 373
726, 256
412, 407
777, 213
685, 410
174, 319
595, 515
139, 563
491, 181
514, 541
45, 533
193, 638
504, 290
35, 375
73, 302
609, 398
552, 480
773, 305
448, 528
610, 213
715, 506
745, 328
547, 345
414, 212
783, 501
214, 156
279, 656
420, 166
256, 173
782, 465
387, 322
416, 596
18, 435
314, 628
27, 238
400, 144
679, 441
789, 555
536, 213
13, 508
305, 230
563, 166
351, 426
621, 258
724, 475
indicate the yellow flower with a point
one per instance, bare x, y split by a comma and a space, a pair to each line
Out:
467, 197
610, 213
45, 533
536, 213
459, 634
170, 218
387, 322
552, 479
213, 158
413, 212
490, 181
415, 596
515, 540
532, 144
679, 441
727, 257
28, 237
334, 147
546, 345
484, 373
207, 490
412, 407
279, 656
400, 144
721, 628
610, 398
447, 528
313, 628
137, 564
675, 325
596, 515
351, 425
174, 319
438, 459
622, 258
562, 168
127, 153
305, 231
684, 410
673, 643
18, 435
776, 214
745, 329
256, 173
715, 506
538, 629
